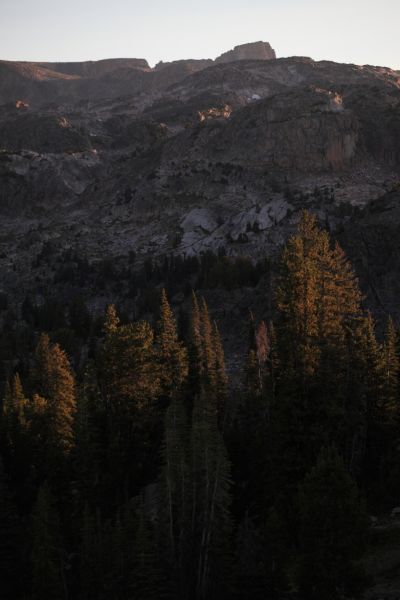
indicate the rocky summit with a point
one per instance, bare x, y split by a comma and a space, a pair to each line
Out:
253, 51
109, 158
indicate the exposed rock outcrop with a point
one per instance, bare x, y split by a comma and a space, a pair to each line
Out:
96, 68
252, 51
193, 156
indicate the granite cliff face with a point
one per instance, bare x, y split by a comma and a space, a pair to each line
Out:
105, 159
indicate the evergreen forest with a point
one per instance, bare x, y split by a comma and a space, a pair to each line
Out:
148, 470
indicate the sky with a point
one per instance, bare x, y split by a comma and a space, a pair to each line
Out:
352, 31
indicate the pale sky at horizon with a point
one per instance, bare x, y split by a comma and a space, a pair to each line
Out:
356, 31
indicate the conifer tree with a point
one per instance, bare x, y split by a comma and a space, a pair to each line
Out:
90, 558
317, 298
221, 379
18, 440
319, 307
251, 581
175, 495
333, 529
364, 385
386, 425
11, 544
272, 365
47, 557
195, 353
297, 297
15, 402
260, 558
129, 375
129, 381
258, 357
111, 322
55, 383
391, 367
148, 581
252, 380
171, 352
208, 350
211, 520
89, 435
253, 419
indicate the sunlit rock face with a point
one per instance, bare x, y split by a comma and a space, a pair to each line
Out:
112, 157
252, 51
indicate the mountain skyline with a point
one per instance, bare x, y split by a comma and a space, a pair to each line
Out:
357, 32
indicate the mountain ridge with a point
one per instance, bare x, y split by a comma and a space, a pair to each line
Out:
189, 157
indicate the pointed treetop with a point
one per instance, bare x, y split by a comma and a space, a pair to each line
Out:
111, 323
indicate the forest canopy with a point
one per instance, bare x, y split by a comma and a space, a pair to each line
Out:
146, 471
